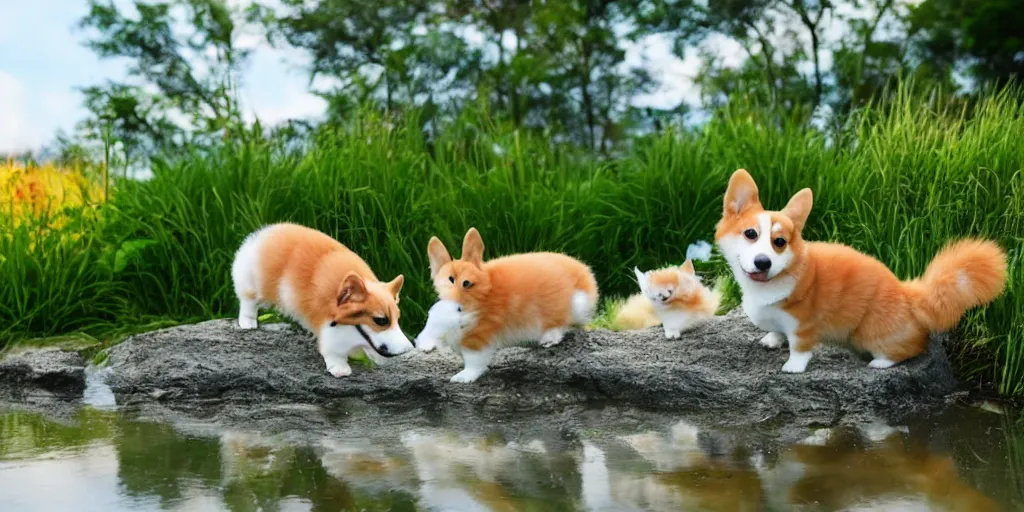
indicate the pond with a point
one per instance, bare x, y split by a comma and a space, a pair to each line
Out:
105, 459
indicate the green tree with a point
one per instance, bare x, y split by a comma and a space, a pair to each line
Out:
986, 37
191, 78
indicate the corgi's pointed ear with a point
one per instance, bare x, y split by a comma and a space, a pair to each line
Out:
352, 289
395, 286
687, 267
741, 194
641, 279
473, 248
438, 255
799, 208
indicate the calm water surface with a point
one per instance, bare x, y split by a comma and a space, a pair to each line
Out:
969, 460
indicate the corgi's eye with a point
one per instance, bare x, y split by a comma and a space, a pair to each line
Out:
334, 324
451, 279
381, 321
779, 242
467, 285
751, 234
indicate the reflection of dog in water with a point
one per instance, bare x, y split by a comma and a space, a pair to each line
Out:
684, 476
839, 470
246, 456
457, 473
365, 465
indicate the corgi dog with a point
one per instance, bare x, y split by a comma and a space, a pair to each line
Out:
324, 286
673, 297
510, 300
808, 292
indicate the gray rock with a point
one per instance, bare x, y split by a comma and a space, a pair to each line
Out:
718, 369
49, 370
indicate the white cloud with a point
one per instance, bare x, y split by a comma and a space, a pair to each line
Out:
675, 77
30, 117
294, 102
12, 113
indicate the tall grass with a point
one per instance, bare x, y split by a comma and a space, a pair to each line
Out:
897, 182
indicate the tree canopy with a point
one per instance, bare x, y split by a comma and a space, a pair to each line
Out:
559, 67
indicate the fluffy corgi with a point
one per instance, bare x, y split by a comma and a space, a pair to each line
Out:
324, 286
510, 300
673, 297
807, 292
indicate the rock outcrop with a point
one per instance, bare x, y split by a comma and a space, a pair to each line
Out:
50, 370
716, 367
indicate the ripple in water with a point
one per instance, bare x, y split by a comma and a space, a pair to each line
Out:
97, 393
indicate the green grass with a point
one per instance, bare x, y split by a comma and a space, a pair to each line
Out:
895, 182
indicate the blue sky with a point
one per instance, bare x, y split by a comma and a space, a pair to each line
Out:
43, 62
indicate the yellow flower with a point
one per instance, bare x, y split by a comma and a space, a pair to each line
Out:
45, 193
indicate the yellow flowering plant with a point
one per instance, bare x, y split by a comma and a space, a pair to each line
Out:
46, 194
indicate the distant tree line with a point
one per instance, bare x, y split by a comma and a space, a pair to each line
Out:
555, 66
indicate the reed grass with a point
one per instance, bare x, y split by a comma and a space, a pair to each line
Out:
896, 180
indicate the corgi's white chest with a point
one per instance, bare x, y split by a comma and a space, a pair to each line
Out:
761, 303
674, 318
770, 318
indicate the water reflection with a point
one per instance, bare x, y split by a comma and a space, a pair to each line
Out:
848, 470
679, 474
99, 460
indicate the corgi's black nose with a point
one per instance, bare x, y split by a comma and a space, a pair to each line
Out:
762, 262
384, 350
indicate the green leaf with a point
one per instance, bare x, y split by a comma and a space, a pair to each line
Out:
129, 251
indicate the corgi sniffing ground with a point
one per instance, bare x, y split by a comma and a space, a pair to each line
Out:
509, 300
324, 286
808, 292
673, 297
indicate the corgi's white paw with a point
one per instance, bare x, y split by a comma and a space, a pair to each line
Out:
245, 322
794, 367
475, 364
552, 337
337, 366
773, 340
797, 362
340, 370
673, 334
426, 344
881, 362
466, 376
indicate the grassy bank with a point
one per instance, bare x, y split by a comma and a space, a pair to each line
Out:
896, 183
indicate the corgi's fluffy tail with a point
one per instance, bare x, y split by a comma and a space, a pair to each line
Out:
963, 275
584, 299
583, 307
636, 313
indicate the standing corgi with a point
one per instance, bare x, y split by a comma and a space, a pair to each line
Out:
806, 292
673, 297
509, 300
323, 285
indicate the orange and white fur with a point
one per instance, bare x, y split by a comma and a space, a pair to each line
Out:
324, 286
532, 297
673, 297
808, 292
